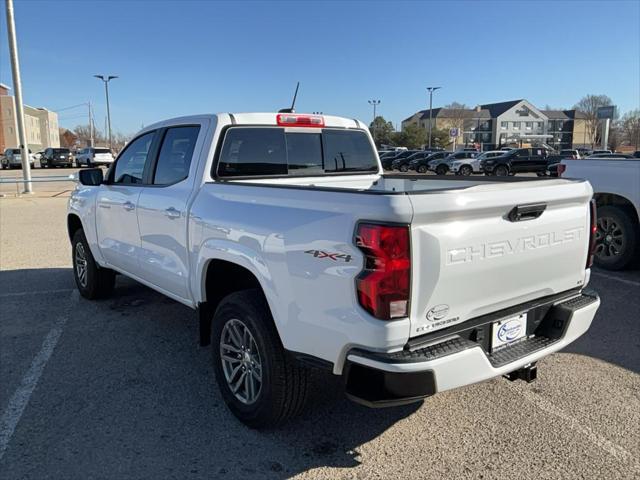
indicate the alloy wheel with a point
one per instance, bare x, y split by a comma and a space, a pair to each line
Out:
241, 362
81, 264
609, 238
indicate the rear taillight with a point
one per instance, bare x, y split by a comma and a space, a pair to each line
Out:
561, 168
295, 120
593, 226
384, 283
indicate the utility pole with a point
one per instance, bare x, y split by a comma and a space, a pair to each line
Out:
17, 86
375, 103
431, 90
106, 80
90, 125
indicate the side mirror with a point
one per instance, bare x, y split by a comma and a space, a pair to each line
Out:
91, 177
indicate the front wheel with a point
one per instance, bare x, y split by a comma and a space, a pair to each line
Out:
92, 280
422, 169
441, 170
466, 170
616, 239
502, 171
260, 383
404, 168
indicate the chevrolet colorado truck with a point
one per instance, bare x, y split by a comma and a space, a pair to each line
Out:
296, 252
616, 185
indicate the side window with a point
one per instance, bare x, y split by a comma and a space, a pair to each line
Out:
175, 155
130, 165
253, 151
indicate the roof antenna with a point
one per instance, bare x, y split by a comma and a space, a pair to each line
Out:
293, 104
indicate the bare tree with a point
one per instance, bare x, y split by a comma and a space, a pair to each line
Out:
589, 106
630, 126
83, 132
458, 113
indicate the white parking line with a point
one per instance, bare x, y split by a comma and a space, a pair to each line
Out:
611, 277
608, 446
20, 399
36, 292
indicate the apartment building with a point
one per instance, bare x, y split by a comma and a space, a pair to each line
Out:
41, 125
511, 123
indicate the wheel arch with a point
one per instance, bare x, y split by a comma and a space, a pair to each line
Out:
219, 278
614, 200
73, 224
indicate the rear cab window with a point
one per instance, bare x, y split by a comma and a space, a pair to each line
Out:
279, 151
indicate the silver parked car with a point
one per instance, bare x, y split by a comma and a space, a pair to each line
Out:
92, 156
12, 158
467, 166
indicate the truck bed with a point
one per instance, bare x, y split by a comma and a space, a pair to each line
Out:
399, 184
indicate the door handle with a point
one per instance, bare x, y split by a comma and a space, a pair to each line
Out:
172, 213
128, 206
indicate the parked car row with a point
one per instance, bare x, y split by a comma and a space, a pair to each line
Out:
58, 157
503, 162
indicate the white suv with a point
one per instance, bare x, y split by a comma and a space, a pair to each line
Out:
91, 156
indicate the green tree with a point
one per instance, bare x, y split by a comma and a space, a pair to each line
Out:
411, 137
382, 131
440, 138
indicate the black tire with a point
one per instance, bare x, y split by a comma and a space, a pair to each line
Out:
282, 390
442, 169
404, 168
422, 169
98, 282
616, 239
501, 171
466, 170
43, 164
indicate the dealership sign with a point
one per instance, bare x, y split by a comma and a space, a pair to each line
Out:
606, 112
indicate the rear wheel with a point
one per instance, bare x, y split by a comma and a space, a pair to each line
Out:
404, 168
466, 170
442, 169
260, 383
616, 238
92, 280
422, 169
501, 171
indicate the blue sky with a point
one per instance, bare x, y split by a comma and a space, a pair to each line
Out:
180, 57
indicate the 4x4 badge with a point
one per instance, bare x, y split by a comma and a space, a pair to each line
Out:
331, 256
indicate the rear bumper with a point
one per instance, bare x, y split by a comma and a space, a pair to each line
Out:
60, 161
383, 379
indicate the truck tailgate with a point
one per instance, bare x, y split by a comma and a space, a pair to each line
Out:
470, 258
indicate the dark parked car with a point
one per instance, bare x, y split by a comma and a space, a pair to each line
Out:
519, 160
402, 164
56, 157
421, 165
636, 154
387, 162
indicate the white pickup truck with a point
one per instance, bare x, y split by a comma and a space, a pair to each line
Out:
616, 186
295, 249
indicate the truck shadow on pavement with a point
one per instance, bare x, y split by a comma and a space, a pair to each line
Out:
128, 393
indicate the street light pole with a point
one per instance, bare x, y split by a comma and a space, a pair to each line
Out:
431, 90
375, 103
106, 80
17, 86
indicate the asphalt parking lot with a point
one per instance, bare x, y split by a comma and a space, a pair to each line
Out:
120, 389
